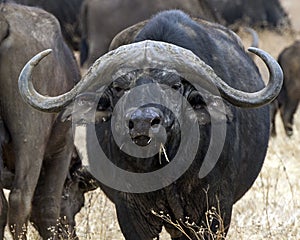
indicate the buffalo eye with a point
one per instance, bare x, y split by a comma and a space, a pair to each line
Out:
130, 124
104, 103
196, 100
155, 121
118, 89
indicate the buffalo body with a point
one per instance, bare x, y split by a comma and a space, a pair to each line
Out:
288, 99
36, 148
255, 13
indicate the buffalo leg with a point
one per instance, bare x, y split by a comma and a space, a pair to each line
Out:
288, 112
3, 212
47, 199
4, 139
26, 177
134, 226
273, 111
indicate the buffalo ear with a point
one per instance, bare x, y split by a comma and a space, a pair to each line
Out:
208, 106
219, 110
80, 110
86, 109
66, 113
127, 35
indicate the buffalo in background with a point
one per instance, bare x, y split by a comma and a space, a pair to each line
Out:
245, 114
66, 11
253, 13
288, 99
36, 148
103, 19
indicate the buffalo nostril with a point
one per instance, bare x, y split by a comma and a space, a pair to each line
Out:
130, 124
155, 121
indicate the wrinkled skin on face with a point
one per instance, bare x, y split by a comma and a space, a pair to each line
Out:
143, 123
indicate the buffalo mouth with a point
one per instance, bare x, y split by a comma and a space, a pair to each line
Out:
142, 140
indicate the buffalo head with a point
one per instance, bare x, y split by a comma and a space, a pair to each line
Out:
162, 86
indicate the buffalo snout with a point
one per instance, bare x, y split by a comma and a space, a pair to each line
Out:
143, 124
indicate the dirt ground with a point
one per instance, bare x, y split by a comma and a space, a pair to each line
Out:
270, 210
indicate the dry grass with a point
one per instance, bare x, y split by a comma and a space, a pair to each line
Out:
271, 209
191, 230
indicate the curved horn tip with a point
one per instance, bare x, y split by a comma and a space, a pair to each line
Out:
255, 38
38, 57
261, 53
267, 58
255, 50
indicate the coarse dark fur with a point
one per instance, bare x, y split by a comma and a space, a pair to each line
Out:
247, 133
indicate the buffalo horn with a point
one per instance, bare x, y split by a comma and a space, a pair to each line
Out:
160, 53
261, 97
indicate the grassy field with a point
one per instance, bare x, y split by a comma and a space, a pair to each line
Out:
271, 209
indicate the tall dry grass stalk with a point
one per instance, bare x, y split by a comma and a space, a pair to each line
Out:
192, 231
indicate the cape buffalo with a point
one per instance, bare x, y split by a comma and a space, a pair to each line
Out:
288, 99
173, 121
254, 13
66, 11
36, 147
103, 19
